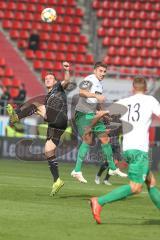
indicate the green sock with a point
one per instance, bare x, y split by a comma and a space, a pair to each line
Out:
107, 152
154, 194
82, 151
117, 194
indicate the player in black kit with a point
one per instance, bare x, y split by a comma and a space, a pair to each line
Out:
53, 109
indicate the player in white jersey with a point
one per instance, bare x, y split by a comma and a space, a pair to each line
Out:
89, 96
141, 107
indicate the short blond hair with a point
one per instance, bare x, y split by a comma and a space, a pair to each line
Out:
139, 83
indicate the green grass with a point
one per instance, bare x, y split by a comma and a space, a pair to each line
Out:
27, 212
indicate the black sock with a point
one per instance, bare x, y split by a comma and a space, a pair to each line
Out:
102, 168
107, 175
53, 165
28, 111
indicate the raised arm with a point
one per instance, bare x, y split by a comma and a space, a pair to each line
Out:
66, 81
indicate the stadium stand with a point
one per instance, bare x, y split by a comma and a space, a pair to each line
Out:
129, 28
55, 39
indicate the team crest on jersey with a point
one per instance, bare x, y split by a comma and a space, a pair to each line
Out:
85, 85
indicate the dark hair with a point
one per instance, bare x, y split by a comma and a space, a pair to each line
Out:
100, 64
50, 73
139, 83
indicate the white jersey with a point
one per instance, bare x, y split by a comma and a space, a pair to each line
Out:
95, 88
139, 114
93, 85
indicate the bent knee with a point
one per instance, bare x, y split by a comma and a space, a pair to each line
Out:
136, 188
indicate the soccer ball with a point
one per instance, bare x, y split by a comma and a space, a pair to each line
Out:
48, 15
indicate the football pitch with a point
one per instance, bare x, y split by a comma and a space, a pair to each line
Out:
27, 212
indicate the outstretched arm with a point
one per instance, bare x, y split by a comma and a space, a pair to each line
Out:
66, 81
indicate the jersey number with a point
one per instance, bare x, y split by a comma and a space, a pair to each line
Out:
133, 112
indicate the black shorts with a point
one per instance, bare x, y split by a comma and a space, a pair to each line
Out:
54, 134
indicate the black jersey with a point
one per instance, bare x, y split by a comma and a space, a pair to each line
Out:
56, 106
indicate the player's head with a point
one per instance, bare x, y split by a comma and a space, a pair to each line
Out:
49, 80
100, 70
139, 84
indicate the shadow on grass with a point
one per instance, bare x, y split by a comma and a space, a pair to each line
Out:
153, 222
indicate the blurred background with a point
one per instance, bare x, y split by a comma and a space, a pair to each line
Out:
123, 34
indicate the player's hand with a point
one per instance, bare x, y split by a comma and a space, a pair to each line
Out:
102, 113
66, 66
100, 98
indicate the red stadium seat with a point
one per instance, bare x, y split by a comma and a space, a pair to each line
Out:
128, 61
3, 5
83, 39
132, 15
139, 42
89, 59
62, 47
149, 43
157, 7
69, 11
127, 5
52, 46
133, 52
75, 30
116, 5
38, 65
68, 19
7, 82
112, 51
48, 65
80, 58
22, 44
14, 92
158, 25
157, 44
9, 15
14, 34
128, 42
133, 33
137, 6
66, 29
29, 54
33, 8
117, 41
155, 53
107, 22
50, 56
96, 4
24, 34
60, 56
108, 60
27, 26
22, 7
143, 15
154, 34
117, 61
148, 6
73, 48
111, 13
138, 24
81, 48
144, 52
153, 16
107, 41
28, 16
6, 24
122, 32
9, 72
101, 13
111, 32
17, 25
150, 62
102, 32
70, 57
39, 55
139, 62
106, 5
127, 23
122, 51
143, 33
44, 46
148, 24
122, 14
44, 36
79, 12
117, 23
19, 16
57, 66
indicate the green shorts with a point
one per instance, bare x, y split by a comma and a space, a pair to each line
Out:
138, 165
83, 120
